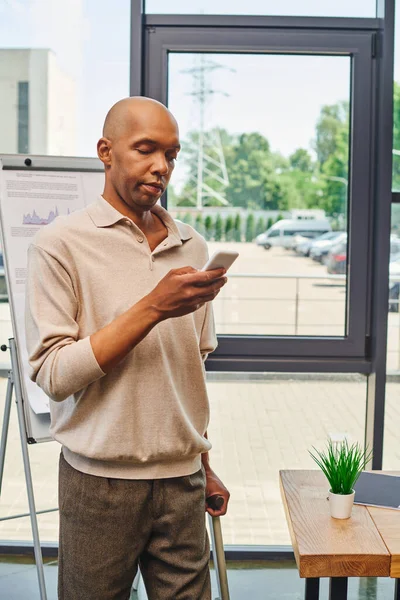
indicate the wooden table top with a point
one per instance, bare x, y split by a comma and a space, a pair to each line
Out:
366, 545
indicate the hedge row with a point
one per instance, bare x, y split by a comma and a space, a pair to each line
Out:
229, 229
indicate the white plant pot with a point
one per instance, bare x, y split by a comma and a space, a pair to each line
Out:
341, 505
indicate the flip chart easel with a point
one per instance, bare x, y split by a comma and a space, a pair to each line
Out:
38, 173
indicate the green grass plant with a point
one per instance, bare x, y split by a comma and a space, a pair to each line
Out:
342, 464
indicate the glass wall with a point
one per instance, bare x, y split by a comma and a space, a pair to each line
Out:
259, 425
264, 161
307, 8
62, 66
391, 451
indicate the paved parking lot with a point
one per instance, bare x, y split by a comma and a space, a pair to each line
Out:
258, 426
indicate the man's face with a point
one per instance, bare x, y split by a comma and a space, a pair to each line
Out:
143, 158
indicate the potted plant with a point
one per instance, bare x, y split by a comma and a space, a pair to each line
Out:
341, 465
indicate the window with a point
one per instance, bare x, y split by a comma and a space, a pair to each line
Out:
307, 8
248, 161
250, 421
23, 117
269, 310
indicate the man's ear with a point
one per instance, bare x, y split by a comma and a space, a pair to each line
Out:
104, 151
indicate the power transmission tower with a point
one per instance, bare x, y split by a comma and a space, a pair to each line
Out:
210, 154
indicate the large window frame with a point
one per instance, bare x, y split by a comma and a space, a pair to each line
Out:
163, 36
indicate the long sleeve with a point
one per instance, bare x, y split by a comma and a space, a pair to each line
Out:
62, 364
208, 339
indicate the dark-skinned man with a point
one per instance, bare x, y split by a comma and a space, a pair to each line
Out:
119, 323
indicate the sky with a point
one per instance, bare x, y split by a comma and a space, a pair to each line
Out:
279, 96
312, 8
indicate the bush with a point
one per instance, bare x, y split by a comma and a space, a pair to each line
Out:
218, 228
199, 225
237, 229
188, 219
208, 228
270, 222
229, 229
260, 227
250, 228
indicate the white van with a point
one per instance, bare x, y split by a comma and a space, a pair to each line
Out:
282, 232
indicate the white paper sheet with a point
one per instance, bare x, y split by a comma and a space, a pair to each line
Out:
31, 200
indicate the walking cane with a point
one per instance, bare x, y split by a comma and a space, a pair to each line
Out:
215, 502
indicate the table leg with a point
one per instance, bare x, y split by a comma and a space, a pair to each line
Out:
312, 589
397, 589
338, 588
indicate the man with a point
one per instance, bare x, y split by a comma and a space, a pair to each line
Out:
119, 323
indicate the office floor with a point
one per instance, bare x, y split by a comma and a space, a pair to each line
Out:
256, 581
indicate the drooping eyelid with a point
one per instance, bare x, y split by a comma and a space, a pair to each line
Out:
144, 147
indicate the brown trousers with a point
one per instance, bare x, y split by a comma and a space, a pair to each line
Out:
110, 526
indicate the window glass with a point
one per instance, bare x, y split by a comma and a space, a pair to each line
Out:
62, 66
393, 343
391, 453
396, 104
259, 425
308, 8
251, 160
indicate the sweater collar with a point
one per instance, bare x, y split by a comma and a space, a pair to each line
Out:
103, 214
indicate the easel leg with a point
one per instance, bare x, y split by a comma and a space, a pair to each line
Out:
5, 428
28, 475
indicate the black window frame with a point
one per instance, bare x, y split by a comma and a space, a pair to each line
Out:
163, 35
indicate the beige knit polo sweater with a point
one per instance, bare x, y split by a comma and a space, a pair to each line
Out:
146, 418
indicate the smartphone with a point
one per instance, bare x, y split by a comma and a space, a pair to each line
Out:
222, 258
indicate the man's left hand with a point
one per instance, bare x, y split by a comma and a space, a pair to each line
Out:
215, 487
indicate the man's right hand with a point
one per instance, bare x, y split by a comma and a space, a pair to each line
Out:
183, 291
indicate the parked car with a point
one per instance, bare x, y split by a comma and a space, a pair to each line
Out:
303, 238
336, 261
394, 283
319, 243
321, 251
282, 232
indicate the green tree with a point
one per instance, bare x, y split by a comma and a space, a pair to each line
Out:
250, 227
335, 191
188, 219
254, 174
229, 228
301, 160
333, 118
218, 228
270, 222
237, 228
208, 228
332, 147
199, 225
260, 226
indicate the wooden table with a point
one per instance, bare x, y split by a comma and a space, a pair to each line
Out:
366, 545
